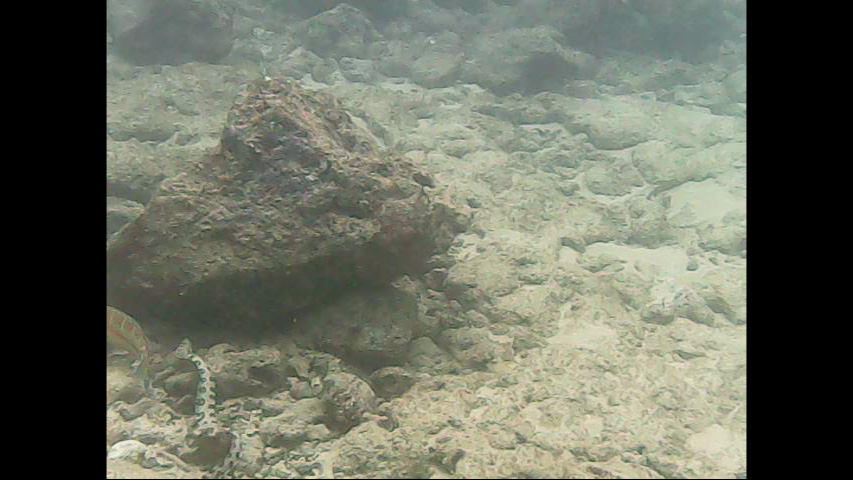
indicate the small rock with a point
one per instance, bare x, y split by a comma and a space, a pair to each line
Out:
348, 397
573, 241
689, 304
292, 426
300, 389
369, 326
253, 372
435, 279
425, 355
122, 385
582, 89
357, 70
392, 382
477, 347
601, 263
436, 69
735, 85
658, 313
121, 211
728, 239
130, 450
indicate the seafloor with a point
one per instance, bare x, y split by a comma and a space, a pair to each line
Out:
608, 237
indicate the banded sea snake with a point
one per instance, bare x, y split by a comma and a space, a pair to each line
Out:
206, 425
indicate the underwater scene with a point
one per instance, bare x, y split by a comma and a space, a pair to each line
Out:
435, 239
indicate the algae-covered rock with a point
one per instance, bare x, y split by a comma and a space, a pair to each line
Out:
297, 205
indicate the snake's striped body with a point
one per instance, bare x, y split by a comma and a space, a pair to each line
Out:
206, 425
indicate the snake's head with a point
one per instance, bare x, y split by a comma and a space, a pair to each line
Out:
184, 349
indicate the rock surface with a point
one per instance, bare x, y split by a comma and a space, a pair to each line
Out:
343, 31
372, 327
150, 32
527, 60
591, 323
120, 212
295, 207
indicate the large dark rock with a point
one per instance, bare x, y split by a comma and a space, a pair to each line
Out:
295, 207
343, 31
525, 60
171, 32
687, 29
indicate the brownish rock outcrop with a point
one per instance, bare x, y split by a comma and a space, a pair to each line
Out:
295, 207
